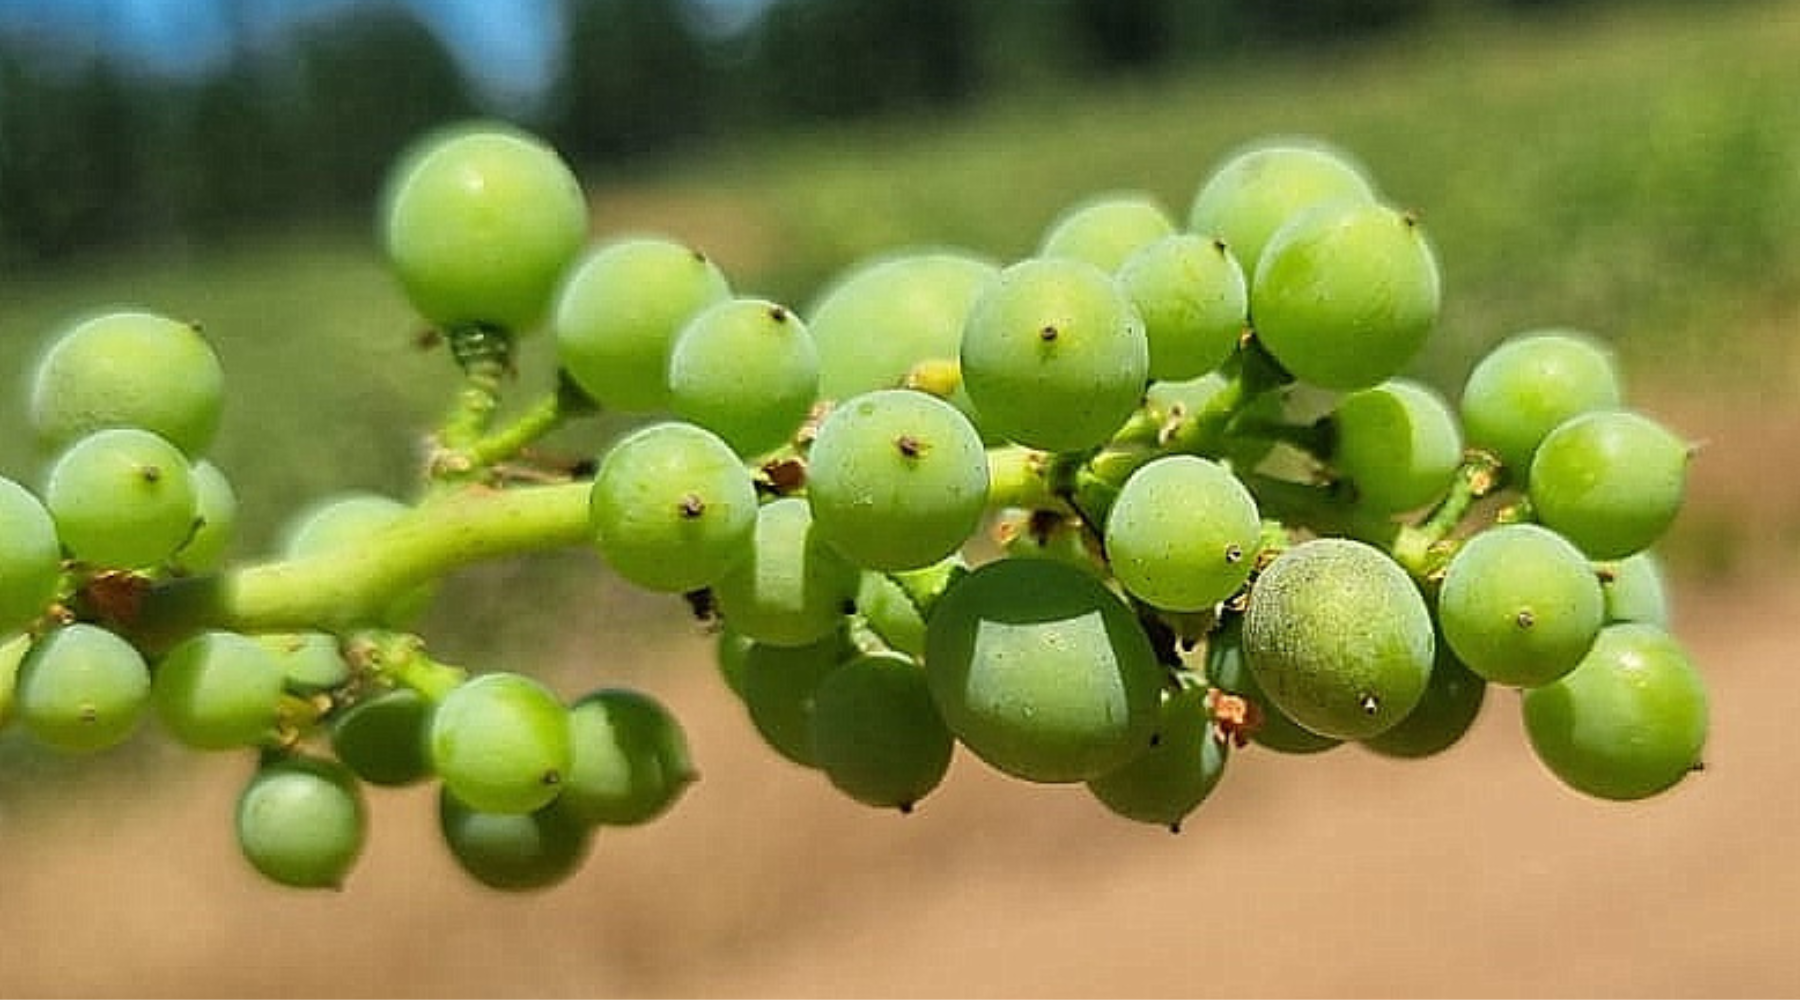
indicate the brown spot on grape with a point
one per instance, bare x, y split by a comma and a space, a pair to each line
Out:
1369, 704
692, 506
151, 473
1048, 333
779, 314
1525, 619
1234, 553
909, 446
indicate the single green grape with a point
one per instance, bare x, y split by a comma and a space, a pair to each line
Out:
129, 368
122, 498
383, 737
1452, 702
1610, 480
311, 662
1054, 355
1183, 533
1042, 671
1629, 722
301, 821
1168, 781
618, 311
216, 690
876, 733
1258, 187
794, 588
746, 369
1191, 293
1339, 637
1530, 382
500, 742
1635, 589
896, 479
479, 223
1268, 726
513, 852
1399, 444
349, 518
629, 758
30, 556
1346, 293
1106, 228
779, 683
672, 507
215, 521
81, 688
1519, 604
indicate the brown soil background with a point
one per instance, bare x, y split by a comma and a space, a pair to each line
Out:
1473, 873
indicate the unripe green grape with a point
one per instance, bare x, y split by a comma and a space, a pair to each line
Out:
1339, 637
1627, 723
672, 507
1634, 589
794, 587
1106, 228
1346, 294
1519, 604
1042, 671
12, 653
1191, 293
382, 738
30, 556
81, 688
779, 684
1398, 442
349, 518
618, 311
310, 662
891, 317
1227, 671
129, 369
896, 479
301, 822
216, 690
1169, 780
629, 759
1182, 533
1452, 702
1256, 189
892, 612
1610, 480
479, 223
876, 733
122, 498
215, 520
1519, 391
513, 852
1054, 356
500, 742
747, 370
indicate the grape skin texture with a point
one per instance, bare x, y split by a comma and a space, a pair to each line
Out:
1182, 533
747, 370
500, 742
1398, 443
1191, 293
129, 369
81, 688
1611, 480
302, 822
672, 507
217, 690
1519, 391
122, 498
1520, 605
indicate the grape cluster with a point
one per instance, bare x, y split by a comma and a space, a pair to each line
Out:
1103, 515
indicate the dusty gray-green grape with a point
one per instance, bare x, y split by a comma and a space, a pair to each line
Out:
630, 758
896, 479
1183, 533
1257, 188
1191, 293
1271, 728
746, 369
779, 683
1635, 589
1042, 671
1452, 702
381, 737
500, 742
672, 507
1169, 780
1106, 228
1398, 442
1346, 293
30, 556
301, 821
1610, 480
617, 313
1530, 382
348, 518
216, 690
1520, 605
81, 688
1339, 637
129, 368
1054, 355
794, 588
876, 733
1630, 721
121, 497
513, 852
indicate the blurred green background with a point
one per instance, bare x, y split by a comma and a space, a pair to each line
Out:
1627, 168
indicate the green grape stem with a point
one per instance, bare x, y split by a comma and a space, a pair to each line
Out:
400, 658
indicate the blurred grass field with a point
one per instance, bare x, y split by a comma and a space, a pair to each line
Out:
1633, 171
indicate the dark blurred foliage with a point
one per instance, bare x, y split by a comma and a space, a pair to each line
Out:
93, 152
